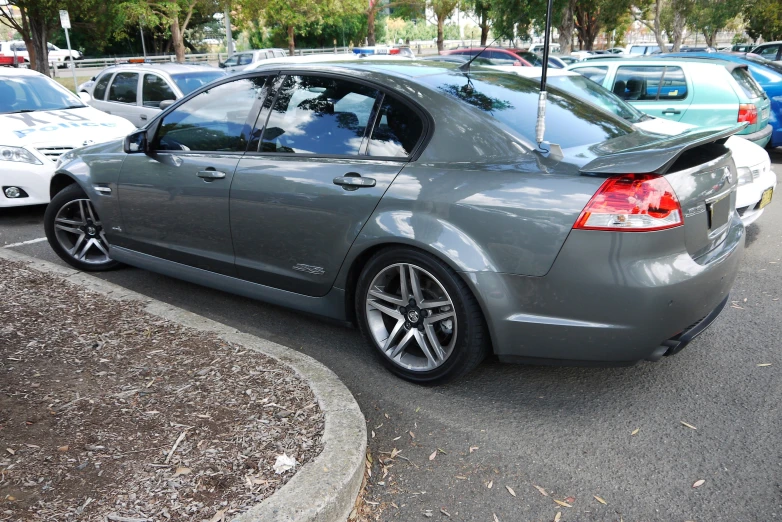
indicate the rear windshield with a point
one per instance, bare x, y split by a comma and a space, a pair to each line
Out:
598, 95
747, 83
513, 101
188, 82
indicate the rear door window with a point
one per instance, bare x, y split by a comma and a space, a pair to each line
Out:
124, 88
674, 84
594, 73
747, 83
638, 83
397, 131
99, 92
768, 52
154, 89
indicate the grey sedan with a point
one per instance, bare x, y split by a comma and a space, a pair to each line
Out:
412, 200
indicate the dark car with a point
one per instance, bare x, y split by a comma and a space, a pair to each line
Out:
496, 55
412, 199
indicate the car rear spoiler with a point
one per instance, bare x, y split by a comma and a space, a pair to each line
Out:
655, 156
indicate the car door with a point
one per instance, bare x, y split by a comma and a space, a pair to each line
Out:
122, 96
312, 177
174, 198
769, 52
99, 92
154, 89
658, 90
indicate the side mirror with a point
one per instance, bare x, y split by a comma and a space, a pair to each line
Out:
85, 97
165, 104
136, 142
222, 65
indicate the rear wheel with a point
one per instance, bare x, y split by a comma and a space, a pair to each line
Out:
419, 316
75, 231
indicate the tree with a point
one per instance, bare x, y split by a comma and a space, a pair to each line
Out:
711, 16
482, 11
764, 19
594, 18
650, 13
442, 9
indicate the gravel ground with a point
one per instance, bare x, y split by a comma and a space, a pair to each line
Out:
109, 413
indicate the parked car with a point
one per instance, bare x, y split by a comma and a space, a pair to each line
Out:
57, 57
239, 61
768, 74
413, 199
496, 55
537, 60
644, 49
538, 48
39, 121
616, 50
770, 51
10, 57
743, 48
691, 90
757, 180
136, 91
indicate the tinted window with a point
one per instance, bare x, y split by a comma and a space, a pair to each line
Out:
315, 115
188, 82
768, 52
498, 57
99, 91
747, 83
512, 101
245, 59
124, 88
638, 83
674, 86
212, 121
154, 90
230, 62
397, 130
596, 74
593, 93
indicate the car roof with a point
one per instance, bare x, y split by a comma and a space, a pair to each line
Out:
170, 68
404, 68
664, 59
14, 71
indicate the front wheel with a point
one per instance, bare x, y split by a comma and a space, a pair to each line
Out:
419, 316
75, 231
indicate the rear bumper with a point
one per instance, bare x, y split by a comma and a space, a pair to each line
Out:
609, 298
679, 342
761, 137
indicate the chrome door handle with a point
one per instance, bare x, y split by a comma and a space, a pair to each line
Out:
671, 111
211, 175
354, 182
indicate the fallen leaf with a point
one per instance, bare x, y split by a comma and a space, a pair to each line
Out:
433, 455
561, 503
220, 515
62, 449
699, 483
412, 435
373, 434
397, 438
444, 512
510, 490
395, 452
386, 414
570, 500
182, 471
441, 450
495, 517
490, 484
473, 448
557, 516
9, 450
461, 477
600, 500
418, 409
688, 425
764, 364
635, 431
428, 513
542, 491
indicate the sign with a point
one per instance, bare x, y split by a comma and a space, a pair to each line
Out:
65, 20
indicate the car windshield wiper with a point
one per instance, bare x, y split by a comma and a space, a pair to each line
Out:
70, 107
21, 110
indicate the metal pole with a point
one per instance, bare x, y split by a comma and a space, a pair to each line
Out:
143, 43
540, 126
73, 63
229, 39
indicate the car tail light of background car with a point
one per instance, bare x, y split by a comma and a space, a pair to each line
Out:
632, 203
748, 113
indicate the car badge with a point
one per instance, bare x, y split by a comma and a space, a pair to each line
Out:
87, 142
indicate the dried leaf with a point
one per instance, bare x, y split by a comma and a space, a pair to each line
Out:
561, 503
762, 365
9, 450
635, 431
542, 491
490, 484
373, 434
412, 435
220, 515
688, 425
386, 415
397, 438
461, 477
62, 449
473, 448
495, 517
433, 455
444, 512
570, 500
699, 483
600, 500
182, 471
557, 516
394, 452
510, 490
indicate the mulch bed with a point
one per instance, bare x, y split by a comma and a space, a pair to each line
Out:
110, 413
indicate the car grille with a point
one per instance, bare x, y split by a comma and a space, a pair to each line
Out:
54, 153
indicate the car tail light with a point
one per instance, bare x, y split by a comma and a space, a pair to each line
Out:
748, 113
632, 203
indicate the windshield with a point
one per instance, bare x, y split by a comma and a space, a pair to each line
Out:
188, 82
35, 93
754, 58
596, 94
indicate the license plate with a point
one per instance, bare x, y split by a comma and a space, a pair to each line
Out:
766, 199
765, 113
719, 212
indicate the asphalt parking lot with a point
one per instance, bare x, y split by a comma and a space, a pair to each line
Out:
614, 433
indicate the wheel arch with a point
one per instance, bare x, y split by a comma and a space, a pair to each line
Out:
59, 182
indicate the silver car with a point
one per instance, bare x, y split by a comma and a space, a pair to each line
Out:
136, 91
239, 61
411, 198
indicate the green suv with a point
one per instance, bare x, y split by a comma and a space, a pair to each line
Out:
703, 93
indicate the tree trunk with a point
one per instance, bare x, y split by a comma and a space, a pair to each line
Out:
710, 37
371, 24
291, 41
565, 28
440, 38
28, 41
40, 50
658, 26
679, 23
484, 28
177, 39
587, 25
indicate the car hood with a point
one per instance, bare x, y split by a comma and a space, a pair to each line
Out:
68, 127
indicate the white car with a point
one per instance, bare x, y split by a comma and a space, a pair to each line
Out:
753, 164
39, 121
57, 56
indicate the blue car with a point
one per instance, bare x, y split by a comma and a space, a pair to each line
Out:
767, 73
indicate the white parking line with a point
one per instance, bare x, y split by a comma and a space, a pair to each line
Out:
12, 245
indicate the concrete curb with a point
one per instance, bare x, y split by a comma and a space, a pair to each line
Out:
324, 490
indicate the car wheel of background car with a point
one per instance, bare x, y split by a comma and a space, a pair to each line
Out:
419, 315
75, 231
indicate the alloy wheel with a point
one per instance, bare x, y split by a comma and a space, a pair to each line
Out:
411, 317
80, 233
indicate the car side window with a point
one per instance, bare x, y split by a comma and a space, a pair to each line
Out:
397, 130
245, 59
769, 52
594, 73
279, 54
214, 120
124, 88
674, 85
154, 89
99, 91
638, 83
318, 115
233, 60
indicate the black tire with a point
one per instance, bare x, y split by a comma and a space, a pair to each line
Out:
67, 196
472, 343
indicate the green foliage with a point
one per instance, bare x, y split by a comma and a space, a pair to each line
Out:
764, 19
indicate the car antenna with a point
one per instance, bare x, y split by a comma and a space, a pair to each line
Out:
465, 67
540, 127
